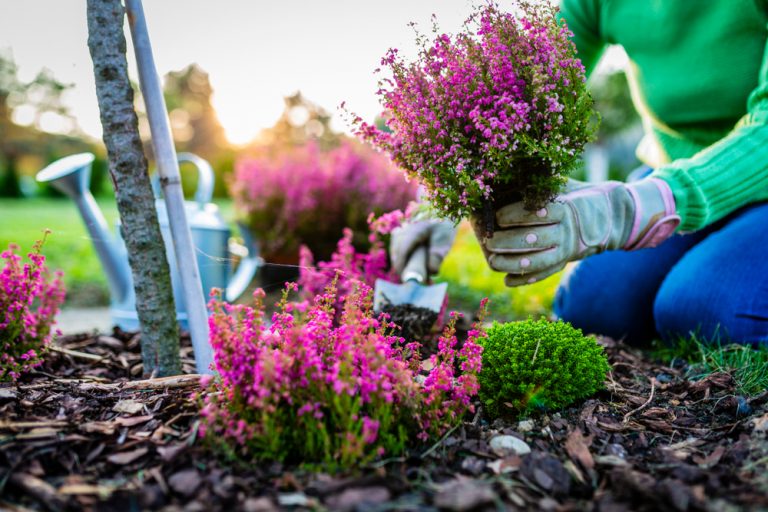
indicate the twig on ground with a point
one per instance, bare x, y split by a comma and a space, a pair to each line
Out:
76, 354
647, 402
174, 381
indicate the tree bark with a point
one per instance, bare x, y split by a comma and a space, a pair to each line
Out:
133, 191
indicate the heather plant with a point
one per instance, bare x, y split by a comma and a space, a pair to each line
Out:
306, 196
308, 387
29, 301
538, 364
496, 112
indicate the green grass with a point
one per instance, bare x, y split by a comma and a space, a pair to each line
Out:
470, 279
747, 365
68, 247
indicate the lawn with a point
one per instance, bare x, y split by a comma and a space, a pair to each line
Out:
68, 247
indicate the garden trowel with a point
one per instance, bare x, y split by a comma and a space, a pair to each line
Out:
412, 291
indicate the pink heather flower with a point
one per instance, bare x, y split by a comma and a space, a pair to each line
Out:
347, 267
501, 104
29, 302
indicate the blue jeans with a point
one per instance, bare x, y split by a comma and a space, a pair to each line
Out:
712, 283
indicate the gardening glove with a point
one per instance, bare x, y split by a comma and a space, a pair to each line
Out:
585, 220
434, 234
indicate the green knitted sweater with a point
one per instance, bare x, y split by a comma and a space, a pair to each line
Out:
698, 75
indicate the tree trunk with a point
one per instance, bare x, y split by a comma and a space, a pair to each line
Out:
133, 191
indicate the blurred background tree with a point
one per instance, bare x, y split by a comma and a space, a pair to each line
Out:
26, 148
195, 126
301, 121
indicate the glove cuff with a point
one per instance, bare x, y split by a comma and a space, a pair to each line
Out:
655, 218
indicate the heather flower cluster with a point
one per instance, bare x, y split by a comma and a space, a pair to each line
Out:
306, 196
498, 111
29, 301
347, 266
310, 387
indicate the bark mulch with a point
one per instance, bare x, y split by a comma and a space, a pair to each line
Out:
83, 433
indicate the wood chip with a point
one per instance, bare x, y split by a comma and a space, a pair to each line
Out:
124, 458
128, 407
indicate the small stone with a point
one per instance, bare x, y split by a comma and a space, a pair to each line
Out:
8, 394
743, 408
473, 465
361, 498
525, 426
463, 494
504, 446
262, 504
616, 450
293, 499
185, 482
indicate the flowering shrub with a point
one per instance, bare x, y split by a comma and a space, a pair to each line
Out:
496, 112
313, 389
307, 196
29, 302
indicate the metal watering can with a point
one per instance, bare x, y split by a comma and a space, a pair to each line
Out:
210, 235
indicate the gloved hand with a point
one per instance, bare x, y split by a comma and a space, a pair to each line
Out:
585, 220
437, 235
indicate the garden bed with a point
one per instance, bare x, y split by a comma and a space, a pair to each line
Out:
81, 433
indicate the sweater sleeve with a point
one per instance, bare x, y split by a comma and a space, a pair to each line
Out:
583, 19
730, 173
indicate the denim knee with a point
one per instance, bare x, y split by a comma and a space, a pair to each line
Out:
590, 302
684, 310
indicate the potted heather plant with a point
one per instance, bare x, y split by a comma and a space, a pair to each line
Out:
494, 114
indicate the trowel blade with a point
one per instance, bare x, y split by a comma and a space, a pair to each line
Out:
423, 296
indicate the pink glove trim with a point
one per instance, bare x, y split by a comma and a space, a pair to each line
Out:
638, 216
659, 229
666, 195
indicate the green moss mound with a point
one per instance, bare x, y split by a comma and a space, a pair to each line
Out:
538, 364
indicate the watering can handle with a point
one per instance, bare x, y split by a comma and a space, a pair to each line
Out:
247, 268
204, 192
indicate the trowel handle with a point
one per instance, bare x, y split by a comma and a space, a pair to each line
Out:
416, 267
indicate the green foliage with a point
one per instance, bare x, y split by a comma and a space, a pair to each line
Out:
747, 365
614, 103
536, 363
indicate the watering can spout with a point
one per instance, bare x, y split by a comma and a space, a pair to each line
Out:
72, 175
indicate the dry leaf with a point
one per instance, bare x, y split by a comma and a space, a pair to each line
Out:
577, 447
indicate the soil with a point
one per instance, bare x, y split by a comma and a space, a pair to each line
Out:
83, 434
415, 322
